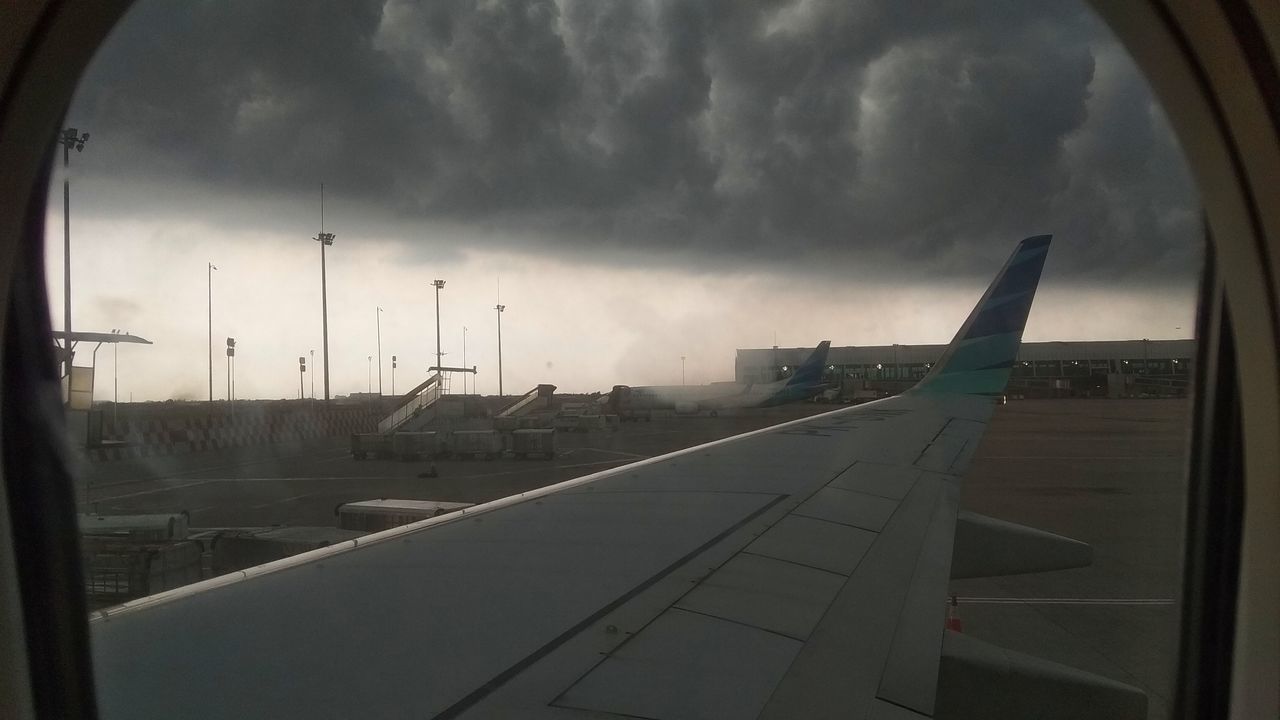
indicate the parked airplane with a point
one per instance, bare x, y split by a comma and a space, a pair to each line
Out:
631, 403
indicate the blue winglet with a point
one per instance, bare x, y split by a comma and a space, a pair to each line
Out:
978, 361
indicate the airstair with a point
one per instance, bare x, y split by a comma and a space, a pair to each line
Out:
416, 409
529, 402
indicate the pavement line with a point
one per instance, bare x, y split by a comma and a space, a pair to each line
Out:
531, 468
211, 468
598, 462
1064, 601
281, 500
616, 452
152, 492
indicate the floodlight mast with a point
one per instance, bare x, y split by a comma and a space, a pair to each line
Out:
438, 285
499, 307
212, 267
70, 138
378, 321
325, 239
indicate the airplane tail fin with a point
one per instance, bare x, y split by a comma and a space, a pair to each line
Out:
809, 372
981, 356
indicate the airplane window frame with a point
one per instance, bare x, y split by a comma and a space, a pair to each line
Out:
1214, 67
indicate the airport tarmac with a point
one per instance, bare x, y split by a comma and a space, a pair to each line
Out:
1110, 473
1107, 472
303, 484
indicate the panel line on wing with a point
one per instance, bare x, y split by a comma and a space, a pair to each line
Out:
796, 562
498, 680
743, 623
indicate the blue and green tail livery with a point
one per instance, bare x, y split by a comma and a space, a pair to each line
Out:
978, 361
809, 373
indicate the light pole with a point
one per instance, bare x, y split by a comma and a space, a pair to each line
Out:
115, 379
212, 267
325, 239
682, 370
313, 374
231, 358
499, 307
70, 138
393, 375
302, 370
439, 285
378, 315
370, 390
464, 358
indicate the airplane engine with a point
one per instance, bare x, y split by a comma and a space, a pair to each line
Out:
687, 408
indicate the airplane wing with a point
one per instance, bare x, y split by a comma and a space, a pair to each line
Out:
795, 571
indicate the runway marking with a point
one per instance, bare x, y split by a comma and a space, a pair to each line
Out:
598, 462
281, 500
1065, 601
153, 491
243, 463
656, 432
530, 468
616, 452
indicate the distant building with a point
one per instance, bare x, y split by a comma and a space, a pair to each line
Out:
357, 397
1076, 368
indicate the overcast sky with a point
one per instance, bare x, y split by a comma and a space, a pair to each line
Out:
648, 179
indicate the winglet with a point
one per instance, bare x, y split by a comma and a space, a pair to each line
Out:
978, 361
810, 371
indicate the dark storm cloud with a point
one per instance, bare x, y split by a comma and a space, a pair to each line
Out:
810, 133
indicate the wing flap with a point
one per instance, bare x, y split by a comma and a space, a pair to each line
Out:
838, 672
829, 546
980, 681
775, 595
686, 665
911, 669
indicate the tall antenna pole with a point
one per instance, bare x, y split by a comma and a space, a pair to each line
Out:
379, 316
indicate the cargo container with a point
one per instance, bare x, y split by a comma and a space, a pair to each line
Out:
414, 445
477, 444
135, 528
365, 444
117, 570
234, 549
533, 442
384, 514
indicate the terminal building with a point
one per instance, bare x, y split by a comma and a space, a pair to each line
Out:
1096, 368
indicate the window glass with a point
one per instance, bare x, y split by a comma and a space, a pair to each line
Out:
410, 254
